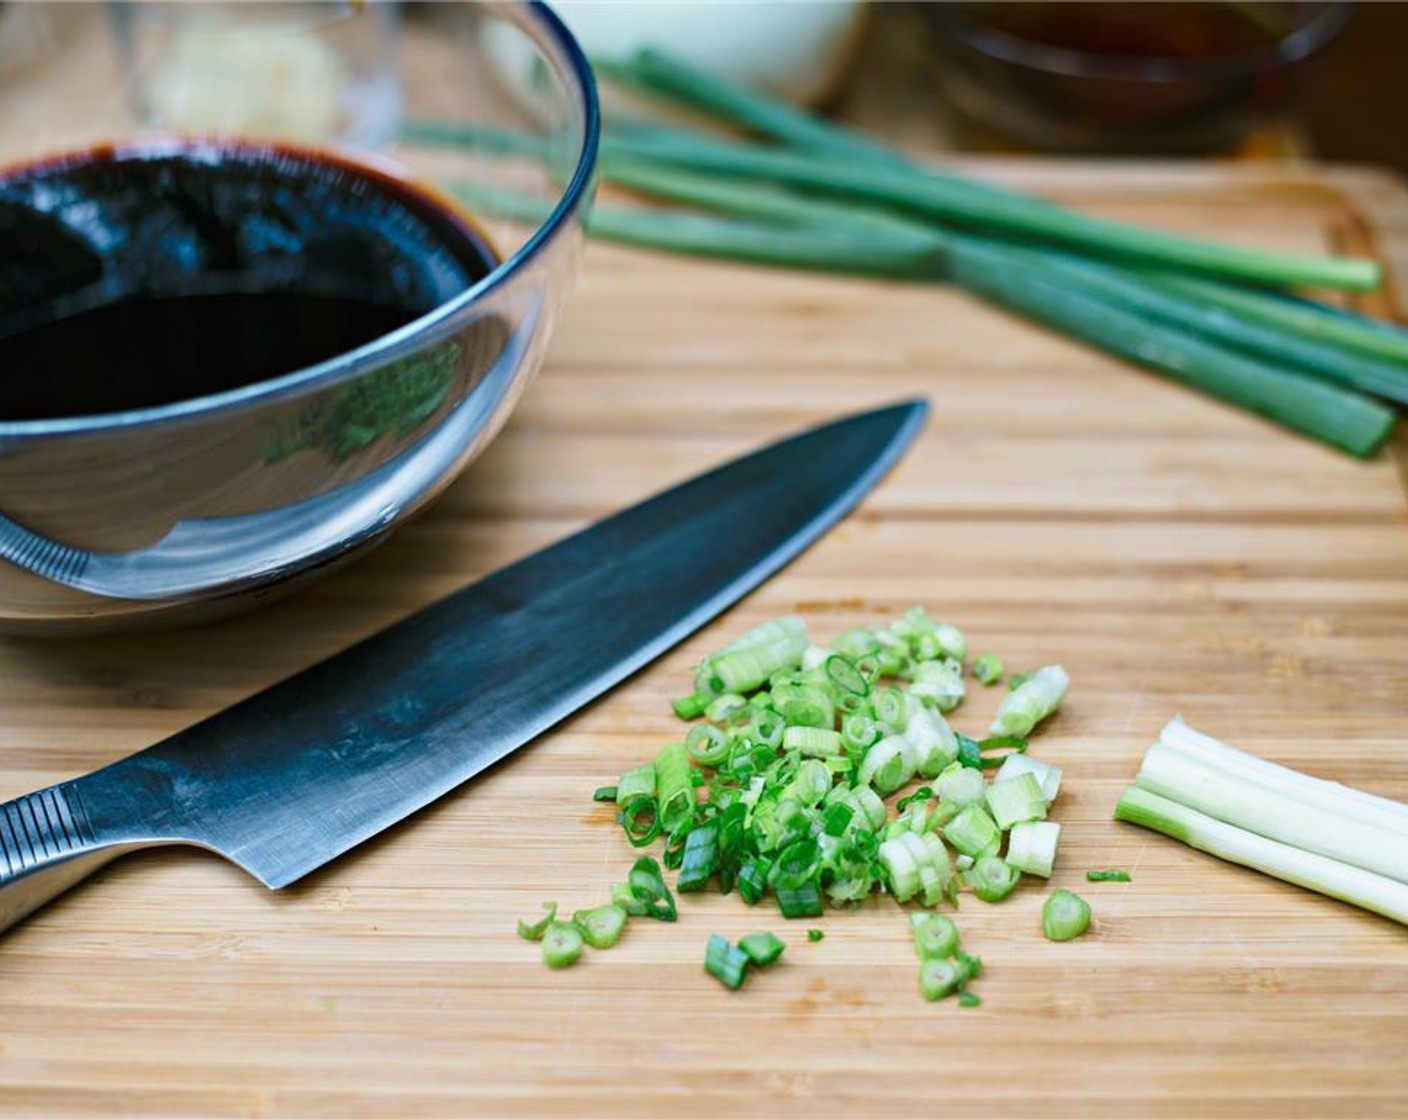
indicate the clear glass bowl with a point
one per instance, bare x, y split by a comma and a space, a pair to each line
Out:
210, 503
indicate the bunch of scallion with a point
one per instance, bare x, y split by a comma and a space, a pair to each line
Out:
1321, 835
780, 789
1223, 319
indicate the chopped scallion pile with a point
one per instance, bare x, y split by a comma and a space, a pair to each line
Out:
780, 789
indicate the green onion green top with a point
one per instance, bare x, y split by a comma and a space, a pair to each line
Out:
762, 948
724, 962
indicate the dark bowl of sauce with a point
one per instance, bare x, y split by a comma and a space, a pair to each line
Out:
228, 365
1079, 76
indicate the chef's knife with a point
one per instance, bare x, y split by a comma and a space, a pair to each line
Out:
294, 776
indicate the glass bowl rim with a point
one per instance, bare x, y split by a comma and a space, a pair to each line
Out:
582, 84
1326, 19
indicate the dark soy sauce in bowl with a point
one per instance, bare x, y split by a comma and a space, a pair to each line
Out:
132, 278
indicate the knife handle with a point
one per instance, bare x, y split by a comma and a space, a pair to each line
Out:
47, 844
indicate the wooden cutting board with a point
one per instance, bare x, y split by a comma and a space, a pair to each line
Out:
1176, 555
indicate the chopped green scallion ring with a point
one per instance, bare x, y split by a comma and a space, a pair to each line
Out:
647, 885
640, 818
815, 934
973, 832
1049, 776
691, 706
962, 785
601, 928
707, 745
940, 978
752, 880
762, 948
1113, 875
562, 945
888, 765
934, 934
813, 742
723, 708
889, 706
859, 732
1064, 916
801, 901
674, 786
639, 782
923, 793
725, 963
700, 858
1033, 701
987, 669
604, 793
845, 676
767, 727
992, 879
837, 819
535, 931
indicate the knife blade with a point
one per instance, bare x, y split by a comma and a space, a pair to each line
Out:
295, 775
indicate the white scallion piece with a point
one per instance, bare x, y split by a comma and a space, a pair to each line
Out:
1031, 847
1016, 800
1049, 776
1030, 703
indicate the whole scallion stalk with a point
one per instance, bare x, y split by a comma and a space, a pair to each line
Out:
845, 237
1273, 813
1337, 416
703, 235
1123, 288
1342, 842
852, 168
1330, 877
1301, 317
1324, 358
1369, 808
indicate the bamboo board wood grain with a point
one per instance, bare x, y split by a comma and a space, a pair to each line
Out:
1175, 554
